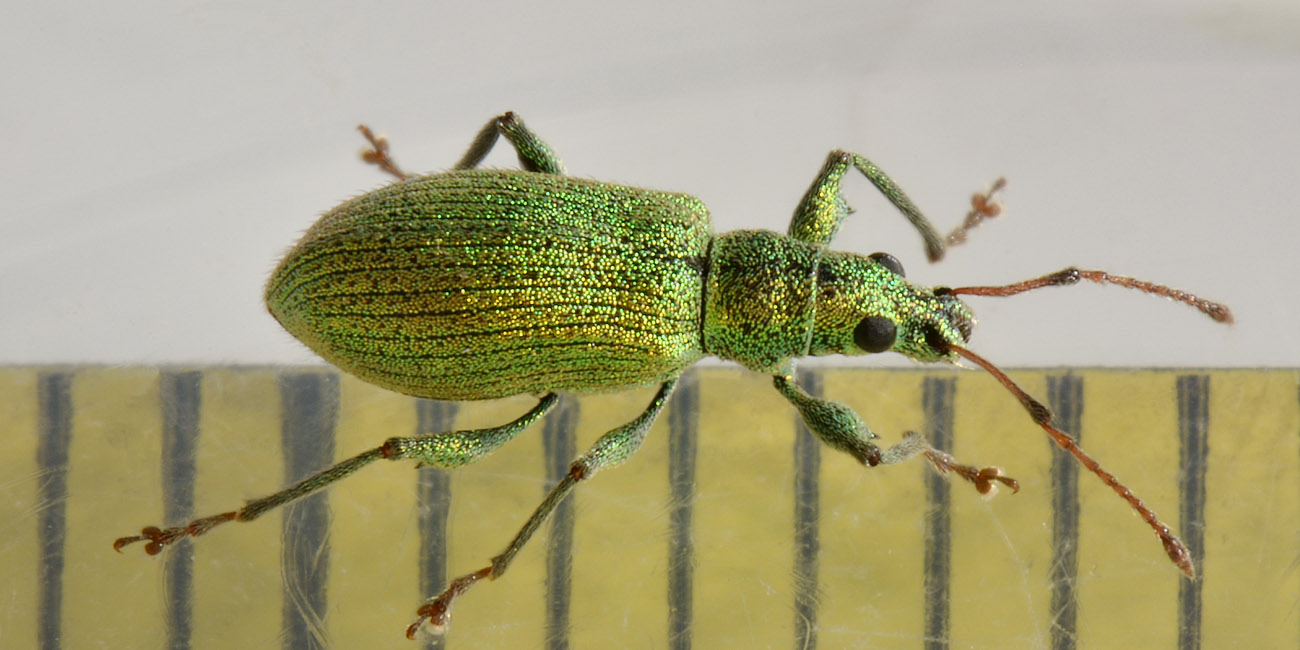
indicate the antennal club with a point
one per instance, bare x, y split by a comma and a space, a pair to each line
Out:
1215, 310
1177, 551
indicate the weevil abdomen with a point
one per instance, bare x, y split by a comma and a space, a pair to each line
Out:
486, 283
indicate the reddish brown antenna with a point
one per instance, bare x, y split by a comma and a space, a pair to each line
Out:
1177, 552
1174, 547
1217, 311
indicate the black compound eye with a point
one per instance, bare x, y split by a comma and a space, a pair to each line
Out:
875, 334
890, 262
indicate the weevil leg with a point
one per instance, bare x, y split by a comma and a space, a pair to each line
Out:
534, 154
834, 423
458, 448
610, 450
982, 208
841, 428
442, 449
981, 477
823, 208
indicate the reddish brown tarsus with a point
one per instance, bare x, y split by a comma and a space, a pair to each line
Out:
157, 537
982, 207
438, 610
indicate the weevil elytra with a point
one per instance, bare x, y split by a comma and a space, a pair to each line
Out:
476, 283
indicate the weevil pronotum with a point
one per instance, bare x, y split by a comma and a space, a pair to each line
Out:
478, 283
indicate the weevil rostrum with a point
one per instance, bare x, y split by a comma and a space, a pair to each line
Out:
483, 283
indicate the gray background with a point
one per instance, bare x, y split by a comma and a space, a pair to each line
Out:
159, 157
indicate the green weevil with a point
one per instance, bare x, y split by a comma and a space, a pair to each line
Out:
482, 283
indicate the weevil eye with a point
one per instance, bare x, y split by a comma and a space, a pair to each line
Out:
875, 334
890, 262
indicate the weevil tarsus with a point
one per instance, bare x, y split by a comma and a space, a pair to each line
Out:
157, 538
982, 208
378, 154
441, 449
984, 479
610, 449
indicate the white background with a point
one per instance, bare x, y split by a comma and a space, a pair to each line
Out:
160, 156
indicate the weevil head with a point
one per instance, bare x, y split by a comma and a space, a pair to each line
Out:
771, 298
865, 305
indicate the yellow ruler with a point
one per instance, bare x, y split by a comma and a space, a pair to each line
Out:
730, 528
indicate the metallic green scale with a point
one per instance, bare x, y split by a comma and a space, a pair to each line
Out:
487, 283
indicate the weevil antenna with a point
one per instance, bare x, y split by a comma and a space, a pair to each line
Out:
1177, 551
1215, 310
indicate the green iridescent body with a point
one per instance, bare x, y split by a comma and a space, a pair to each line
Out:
487, 283
475, 284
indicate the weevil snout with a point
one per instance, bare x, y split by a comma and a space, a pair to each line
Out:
927, 333
950, 324
958, 315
